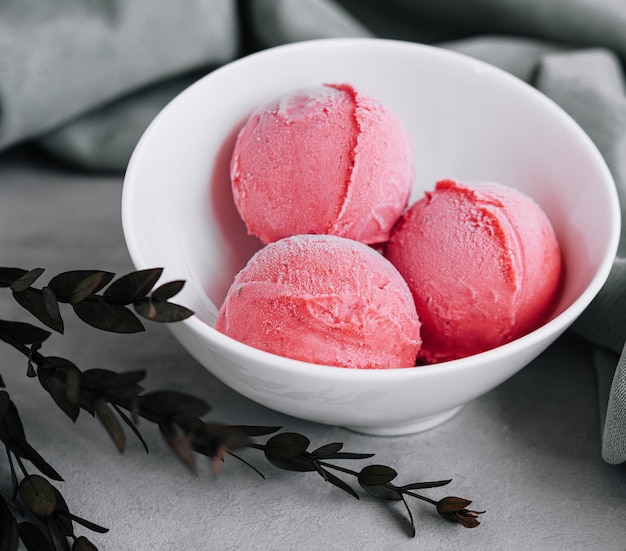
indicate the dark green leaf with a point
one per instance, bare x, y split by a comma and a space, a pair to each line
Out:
12, 504
180, 442
5, 402
33, 538
385, 491
332, 451
83, 522
65, 284
11, 428
211, 438
406, 505
421, 485
12, 434
373, 475
38, 495
61, 378
108, 419
33, 300
250, 430
83, 544
57, 532
169, 405
232, 437
249, 465
327, 451
349, 455
52, 306
286, 445
287, 451
103, 380
14, 481
87, 287
131, 426
8, 528
62, 513
302, 464
376, 479
162, 312
108, 317
133, 286
86, 401
24, 333
26, 280
9, 275
32, 354
118, 387
93, 378
26, 451
336, 481
168, 290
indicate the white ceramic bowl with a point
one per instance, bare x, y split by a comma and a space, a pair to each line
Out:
468, 120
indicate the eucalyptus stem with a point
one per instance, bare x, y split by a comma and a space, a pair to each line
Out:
338, 468
111, 305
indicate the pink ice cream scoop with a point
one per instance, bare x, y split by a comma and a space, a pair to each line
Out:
323, 299
483, 264
328, 160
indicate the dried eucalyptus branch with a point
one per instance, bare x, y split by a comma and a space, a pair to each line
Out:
107, 311
289, 451
118, 399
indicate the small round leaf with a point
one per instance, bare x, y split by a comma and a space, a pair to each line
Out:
108, 317
168, 290
161, 311
286, 445
373, 475
26, 280
38, 495
81, 543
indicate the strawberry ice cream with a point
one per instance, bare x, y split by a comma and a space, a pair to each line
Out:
483, 264
323, 299
328, 160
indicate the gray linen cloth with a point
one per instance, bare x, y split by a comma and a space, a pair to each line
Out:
82, 80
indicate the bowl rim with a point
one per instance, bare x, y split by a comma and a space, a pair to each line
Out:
554, 326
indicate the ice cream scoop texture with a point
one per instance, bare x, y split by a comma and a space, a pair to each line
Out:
321, 173
483, 264
323, 299
326, 160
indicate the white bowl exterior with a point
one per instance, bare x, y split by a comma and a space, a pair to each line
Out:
468, 120
376, 401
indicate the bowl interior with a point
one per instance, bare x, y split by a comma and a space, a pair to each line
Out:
468, 120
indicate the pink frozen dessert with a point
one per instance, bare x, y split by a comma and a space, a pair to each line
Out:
325, 160
323, 299
483, 264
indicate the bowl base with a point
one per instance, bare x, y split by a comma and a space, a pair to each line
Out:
420, 425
